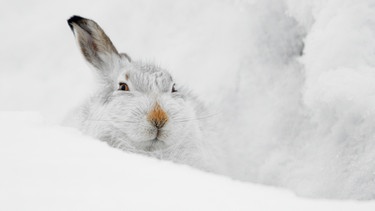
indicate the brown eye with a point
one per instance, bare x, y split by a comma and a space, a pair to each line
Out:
173, 88
123, 87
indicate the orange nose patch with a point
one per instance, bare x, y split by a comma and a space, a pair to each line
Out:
157, 116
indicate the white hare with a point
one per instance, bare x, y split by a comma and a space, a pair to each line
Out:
138, 107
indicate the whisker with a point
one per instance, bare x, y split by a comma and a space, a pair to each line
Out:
104, 120
194, 119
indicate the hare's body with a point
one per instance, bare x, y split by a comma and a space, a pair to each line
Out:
137, 106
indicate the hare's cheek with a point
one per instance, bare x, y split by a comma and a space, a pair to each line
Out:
141, 132
173, 132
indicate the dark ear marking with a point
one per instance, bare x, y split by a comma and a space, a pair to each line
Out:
74, 19
95, 45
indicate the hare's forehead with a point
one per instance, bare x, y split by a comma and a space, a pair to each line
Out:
146, 80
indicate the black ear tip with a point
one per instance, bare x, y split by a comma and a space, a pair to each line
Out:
74, 19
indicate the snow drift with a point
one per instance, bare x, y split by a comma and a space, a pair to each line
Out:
309, 121
294, 80
48, 167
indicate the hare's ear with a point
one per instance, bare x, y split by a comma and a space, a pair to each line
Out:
95, 45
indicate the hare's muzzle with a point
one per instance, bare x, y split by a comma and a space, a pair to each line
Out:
157, 116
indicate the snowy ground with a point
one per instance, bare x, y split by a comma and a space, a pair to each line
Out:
293, 79
49, 167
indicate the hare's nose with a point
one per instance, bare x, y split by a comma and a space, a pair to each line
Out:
157, 116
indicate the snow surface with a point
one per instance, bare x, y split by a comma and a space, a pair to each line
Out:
49, 167
293, 79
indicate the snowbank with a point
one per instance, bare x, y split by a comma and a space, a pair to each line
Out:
309, 122
48, 167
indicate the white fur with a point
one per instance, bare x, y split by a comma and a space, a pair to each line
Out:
120, 117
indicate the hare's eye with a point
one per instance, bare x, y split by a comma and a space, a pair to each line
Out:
123, 87
173, 88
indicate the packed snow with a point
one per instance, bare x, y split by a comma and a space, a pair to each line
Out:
293, 82
49, 167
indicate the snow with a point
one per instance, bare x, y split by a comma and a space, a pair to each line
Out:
49, 167
293, 79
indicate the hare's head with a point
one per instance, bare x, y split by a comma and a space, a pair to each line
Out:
137, 104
